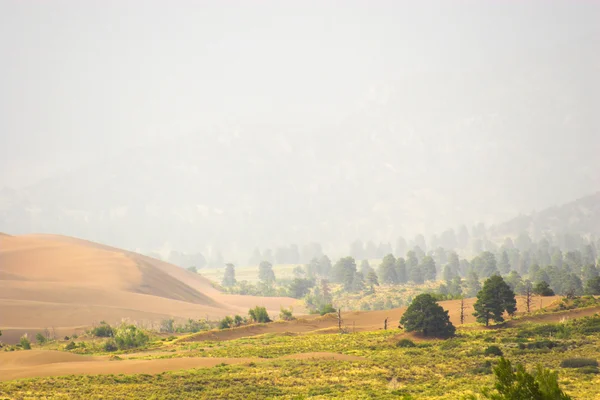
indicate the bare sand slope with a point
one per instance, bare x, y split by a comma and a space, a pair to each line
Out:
40, 363
192, 280
49, 281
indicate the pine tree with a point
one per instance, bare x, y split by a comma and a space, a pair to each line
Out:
387, 270
493, 300
401, 274
426, 316
229, 276
428, 267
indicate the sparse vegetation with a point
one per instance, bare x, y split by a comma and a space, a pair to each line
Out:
25, 343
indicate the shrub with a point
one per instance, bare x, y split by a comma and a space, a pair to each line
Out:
110, 345
41, 339
405, 343
517, 383
327, 309
226, 323
25, 342
103, 330
70, 346
286, 314
130, 336
539, 344
259, 314
493, 351
578, 363
238, 320
167, 325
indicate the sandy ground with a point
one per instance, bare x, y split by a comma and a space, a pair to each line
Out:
40, 363
63, 284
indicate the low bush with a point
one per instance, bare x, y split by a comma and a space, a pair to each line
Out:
25, 343
129, 337
70, 346
286, 314
538, 344
40, 339
493, 351
110, 345
226, 323
405, 343
578, 363
259, 314
103, 330
327, 309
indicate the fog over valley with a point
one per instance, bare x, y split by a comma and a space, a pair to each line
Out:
229, 127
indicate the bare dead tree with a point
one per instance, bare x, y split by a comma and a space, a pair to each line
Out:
528, 296
339, 319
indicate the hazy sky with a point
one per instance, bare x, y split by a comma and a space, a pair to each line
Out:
79, 79
240, 124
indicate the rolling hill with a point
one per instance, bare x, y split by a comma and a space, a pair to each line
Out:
66, 284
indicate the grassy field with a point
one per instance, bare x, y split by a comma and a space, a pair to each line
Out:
351, 365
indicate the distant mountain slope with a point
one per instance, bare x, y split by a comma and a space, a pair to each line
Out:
581, 216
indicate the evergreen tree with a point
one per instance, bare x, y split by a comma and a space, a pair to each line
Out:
313, 268
372, 279
592, 286
426, 316
387, 270
358, 283
428, 268
229, 276
447, 274
344, 270
518, 384
473, 285
493, 300
416, 275
504, 264
454, 263
455, 286
365, 267
543, 289
401, 273
265, 273
324, 266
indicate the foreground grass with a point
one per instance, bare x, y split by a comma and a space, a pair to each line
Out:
432, 369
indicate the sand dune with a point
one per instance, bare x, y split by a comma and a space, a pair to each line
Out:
49, 281
19, 364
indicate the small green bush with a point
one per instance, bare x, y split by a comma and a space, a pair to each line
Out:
286, 314
405, 343
579, 363
40, 339
226, 323
25, 342
493, 351
259, 314
129, 337
110, 345
103, 330
70, 346
327, 309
